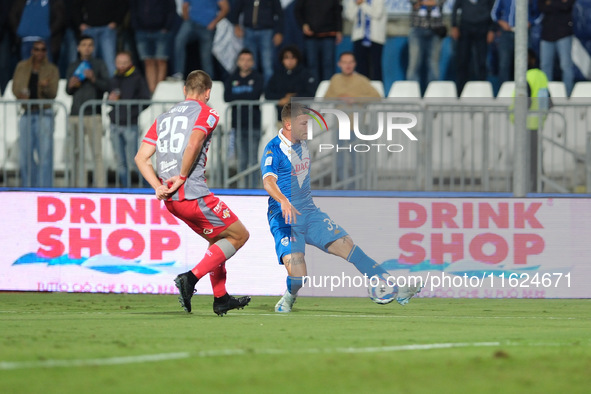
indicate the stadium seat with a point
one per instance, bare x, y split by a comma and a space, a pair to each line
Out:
405, 89
582, 89
169, 91
507, 90
322, 88
379, 86
441, 89
477, 89
8, 95
62, 112
557, 89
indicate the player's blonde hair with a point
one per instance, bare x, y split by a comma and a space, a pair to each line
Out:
198, 81
290, 110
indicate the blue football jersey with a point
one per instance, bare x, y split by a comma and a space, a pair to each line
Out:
290, 165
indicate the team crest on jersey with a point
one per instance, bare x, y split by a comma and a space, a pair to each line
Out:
207, 231
226, 213
210, 120
285, 241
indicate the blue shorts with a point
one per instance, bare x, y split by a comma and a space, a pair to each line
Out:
313, 227
152, 44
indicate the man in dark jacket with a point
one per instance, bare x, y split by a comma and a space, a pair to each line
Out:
263, 23
127, 84
322, 25
245, 84
87, 80
473, 32
291, 80
557, 39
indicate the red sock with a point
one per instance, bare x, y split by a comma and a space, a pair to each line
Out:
213, 257
218, 280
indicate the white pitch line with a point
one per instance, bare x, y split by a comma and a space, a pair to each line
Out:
416, 316
7, 365
146, 358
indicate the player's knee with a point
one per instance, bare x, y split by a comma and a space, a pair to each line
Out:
243, 236
348, 241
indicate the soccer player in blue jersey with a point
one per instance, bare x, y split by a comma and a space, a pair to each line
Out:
293, 217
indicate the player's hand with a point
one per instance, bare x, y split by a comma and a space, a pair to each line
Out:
289, 212
174, 184
162, 192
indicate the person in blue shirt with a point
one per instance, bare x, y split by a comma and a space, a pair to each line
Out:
293, 217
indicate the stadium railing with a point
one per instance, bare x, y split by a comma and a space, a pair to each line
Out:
465, 146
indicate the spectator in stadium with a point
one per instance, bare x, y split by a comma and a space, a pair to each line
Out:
34, 20
100, 19
200, 18
36, 78
369, 18
88, 79
473, 32
538, 104
290, 80
557, 38
7, 63
179, 180
294, 219
503, 14
322, 25
245, 84
262, 29
152, 21
127, 84
349, 83
68, 50
424, 39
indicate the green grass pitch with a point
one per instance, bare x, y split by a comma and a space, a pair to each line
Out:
116, 343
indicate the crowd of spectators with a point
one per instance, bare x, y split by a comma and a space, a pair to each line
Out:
289, 47
169, 38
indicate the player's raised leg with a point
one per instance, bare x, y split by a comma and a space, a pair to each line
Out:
345, 247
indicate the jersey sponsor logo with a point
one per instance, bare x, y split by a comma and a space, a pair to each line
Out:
211, 120
207, 231
269, 152
285, 241
268, 161
226, 213
218, 208
301, 168
213, 111
166, 166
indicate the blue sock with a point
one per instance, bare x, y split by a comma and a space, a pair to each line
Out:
365, 264
294, 283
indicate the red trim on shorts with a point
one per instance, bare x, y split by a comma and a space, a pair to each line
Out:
190, 212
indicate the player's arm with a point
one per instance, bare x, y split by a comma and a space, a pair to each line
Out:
192, 150
144, 164
288, 211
